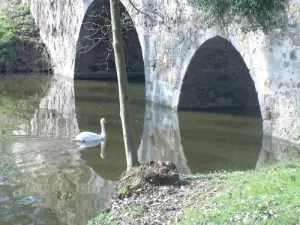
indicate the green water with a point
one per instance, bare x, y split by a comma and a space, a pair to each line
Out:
46, 178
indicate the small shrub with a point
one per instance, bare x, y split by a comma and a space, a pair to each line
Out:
259, 13
24, 21
7, 38
125, 191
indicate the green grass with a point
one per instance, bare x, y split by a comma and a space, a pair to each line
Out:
125, 191
101, 219
269, 196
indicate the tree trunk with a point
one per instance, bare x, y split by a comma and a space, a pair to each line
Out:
125, 112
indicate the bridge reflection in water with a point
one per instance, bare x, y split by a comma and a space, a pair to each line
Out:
51, 164
56, 186
161, 137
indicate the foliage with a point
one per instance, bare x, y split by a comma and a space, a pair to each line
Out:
7, 38
270, 196
23, 21
16, 23
125, 191
259, 13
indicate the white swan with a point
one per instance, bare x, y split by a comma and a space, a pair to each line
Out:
90, 136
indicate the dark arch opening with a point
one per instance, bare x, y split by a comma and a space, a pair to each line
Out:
95, 57
99, 98
218, 83
217, 79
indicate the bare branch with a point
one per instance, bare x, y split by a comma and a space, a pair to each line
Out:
146, 14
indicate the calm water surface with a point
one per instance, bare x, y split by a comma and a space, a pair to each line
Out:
46, 178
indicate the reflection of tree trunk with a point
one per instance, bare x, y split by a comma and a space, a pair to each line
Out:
125, 113
161, 137
276, 151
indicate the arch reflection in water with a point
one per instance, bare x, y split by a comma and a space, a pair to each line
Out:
56, 114
161, 137
277, 151
51, 164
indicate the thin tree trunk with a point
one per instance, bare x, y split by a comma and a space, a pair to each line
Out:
125, 112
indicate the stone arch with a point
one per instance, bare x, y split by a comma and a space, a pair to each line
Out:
217, 77
60, 28
95, 54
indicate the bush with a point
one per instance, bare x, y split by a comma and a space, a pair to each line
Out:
7, 38
23, 20
16, 25
259, 13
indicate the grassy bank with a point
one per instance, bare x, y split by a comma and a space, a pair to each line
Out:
268, 196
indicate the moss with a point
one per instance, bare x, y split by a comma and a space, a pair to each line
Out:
260, 14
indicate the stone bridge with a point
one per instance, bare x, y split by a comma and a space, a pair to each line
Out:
174, 35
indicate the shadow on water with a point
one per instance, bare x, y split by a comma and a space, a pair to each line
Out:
46, 178
240, 111
213, 141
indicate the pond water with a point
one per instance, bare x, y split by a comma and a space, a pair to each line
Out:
46, 178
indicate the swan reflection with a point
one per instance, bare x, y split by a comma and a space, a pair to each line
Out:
91, 144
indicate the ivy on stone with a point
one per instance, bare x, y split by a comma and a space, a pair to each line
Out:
261, 14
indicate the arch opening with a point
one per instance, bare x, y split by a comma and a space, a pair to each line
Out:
96, 99
94, 53
217, 79
218, 83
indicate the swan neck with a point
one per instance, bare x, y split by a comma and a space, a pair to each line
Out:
103, 129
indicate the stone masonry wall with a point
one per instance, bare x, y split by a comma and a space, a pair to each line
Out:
171, 36
272, 59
